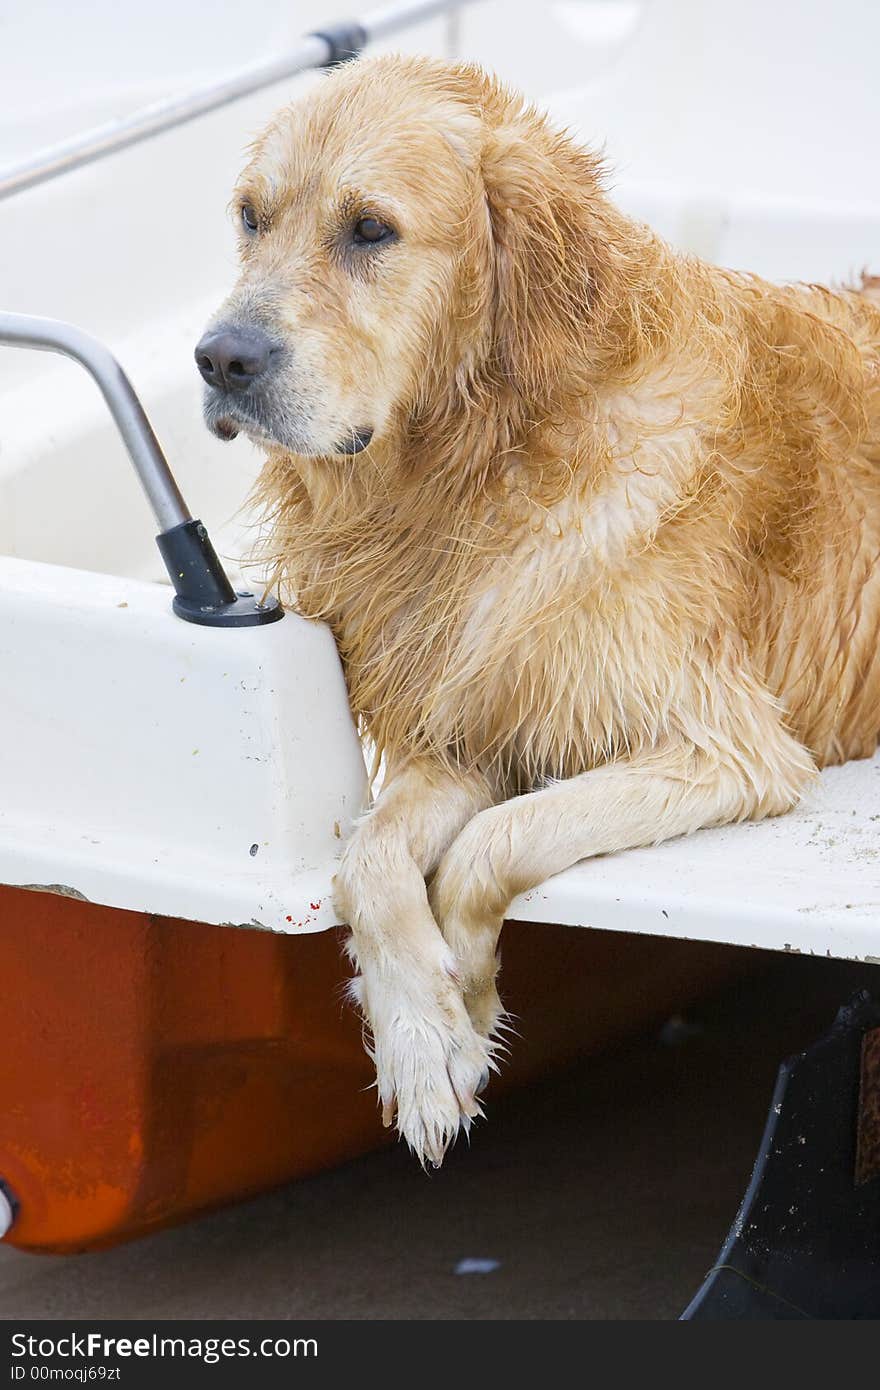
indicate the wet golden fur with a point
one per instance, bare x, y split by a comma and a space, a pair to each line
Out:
618, 525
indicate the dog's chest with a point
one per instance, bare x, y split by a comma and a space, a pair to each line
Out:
564, 655
547, 647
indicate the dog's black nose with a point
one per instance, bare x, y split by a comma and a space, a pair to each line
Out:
232, 358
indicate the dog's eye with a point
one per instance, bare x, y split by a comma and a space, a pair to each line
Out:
369, 231
249, 217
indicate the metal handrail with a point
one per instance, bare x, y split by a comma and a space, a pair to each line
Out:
144, 449
202, 591
313, 51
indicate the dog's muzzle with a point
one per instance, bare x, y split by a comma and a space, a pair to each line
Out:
233, 359
236, 363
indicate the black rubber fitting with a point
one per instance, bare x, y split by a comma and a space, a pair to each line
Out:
203, 593
345, 41
14, 1204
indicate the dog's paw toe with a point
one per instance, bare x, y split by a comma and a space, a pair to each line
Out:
485, 1076
432, 1077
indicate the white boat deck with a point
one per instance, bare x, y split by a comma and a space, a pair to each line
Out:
213, 775
808, 881
142, 761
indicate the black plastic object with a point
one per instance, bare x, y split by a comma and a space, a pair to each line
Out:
11, 1199
806, 1241
203, 593
344, 40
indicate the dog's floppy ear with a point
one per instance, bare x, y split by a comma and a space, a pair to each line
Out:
538, 188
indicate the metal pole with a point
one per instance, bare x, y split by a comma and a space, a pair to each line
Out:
203, 593
51, 335
313, 51
393, 17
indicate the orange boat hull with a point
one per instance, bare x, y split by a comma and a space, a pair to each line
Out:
151, 1068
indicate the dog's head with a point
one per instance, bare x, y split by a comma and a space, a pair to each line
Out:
405, 225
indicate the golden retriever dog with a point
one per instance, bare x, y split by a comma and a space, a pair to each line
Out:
596, 525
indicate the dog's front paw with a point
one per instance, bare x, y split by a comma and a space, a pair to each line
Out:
431, 1064
468, 904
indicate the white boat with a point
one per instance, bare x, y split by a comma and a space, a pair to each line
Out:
155, 767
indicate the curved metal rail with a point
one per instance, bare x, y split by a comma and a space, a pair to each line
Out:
332, 45
52, 335
203, 593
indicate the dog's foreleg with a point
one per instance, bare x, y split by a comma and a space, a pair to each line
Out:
430, 1062
514, 846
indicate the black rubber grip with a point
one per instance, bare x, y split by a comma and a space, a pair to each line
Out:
11, 1199
202, 591
344, 41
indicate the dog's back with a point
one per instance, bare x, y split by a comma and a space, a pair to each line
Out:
814, 543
